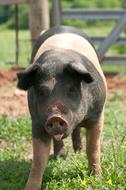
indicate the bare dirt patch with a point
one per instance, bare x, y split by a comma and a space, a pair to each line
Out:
13, 102
116, 83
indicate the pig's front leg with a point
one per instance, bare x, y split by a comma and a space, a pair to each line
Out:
41, 152
93, 135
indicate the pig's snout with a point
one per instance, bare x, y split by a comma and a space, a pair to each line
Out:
56, 123
56, 126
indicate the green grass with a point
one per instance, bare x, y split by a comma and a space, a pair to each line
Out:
91, 4
7, 50
15, 141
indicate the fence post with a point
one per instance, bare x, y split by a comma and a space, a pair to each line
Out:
56, 13
38, 17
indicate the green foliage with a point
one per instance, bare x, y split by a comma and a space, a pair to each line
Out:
7, 13
91, 4
7, 16
71, 173
23, 18
76, 23
108, 4
121, 49
84, 4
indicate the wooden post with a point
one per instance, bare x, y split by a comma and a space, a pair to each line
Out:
38, 17
56, 13
17, 36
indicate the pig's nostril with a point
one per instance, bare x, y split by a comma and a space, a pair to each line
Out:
51, 125
56, 123
61, 124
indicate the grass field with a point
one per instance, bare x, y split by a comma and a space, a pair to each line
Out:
7, 50
71, 173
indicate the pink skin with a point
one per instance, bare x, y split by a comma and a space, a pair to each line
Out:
56, 126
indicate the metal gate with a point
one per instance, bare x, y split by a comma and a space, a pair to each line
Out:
58, 14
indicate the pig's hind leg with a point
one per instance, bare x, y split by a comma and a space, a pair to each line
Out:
58, 148
76, 139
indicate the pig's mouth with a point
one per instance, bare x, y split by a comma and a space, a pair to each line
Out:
58, 137
57, 127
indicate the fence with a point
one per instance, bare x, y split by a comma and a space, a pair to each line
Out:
38, 19
104, 43
59, 14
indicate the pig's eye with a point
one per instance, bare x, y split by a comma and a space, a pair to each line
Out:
43, 91
72, 91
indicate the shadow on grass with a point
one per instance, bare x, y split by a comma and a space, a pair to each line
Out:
14, 174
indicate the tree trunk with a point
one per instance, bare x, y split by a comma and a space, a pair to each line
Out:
38, 18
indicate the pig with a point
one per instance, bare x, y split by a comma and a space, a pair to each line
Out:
66, 91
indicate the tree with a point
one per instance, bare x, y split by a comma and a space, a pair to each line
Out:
38, 17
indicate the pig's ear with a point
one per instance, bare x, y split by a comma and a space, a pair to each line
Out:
80, 69
26, 78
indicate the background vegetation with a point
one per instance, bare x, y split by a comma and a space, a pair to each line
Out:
7, 13
7, 25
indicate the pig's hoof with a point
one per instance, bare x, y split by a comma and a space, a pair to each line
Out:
55, 156
94, 172
52, 157
32, 188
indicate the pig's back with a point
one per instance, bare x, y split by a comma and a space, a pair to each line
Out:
68, 38
53, 33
